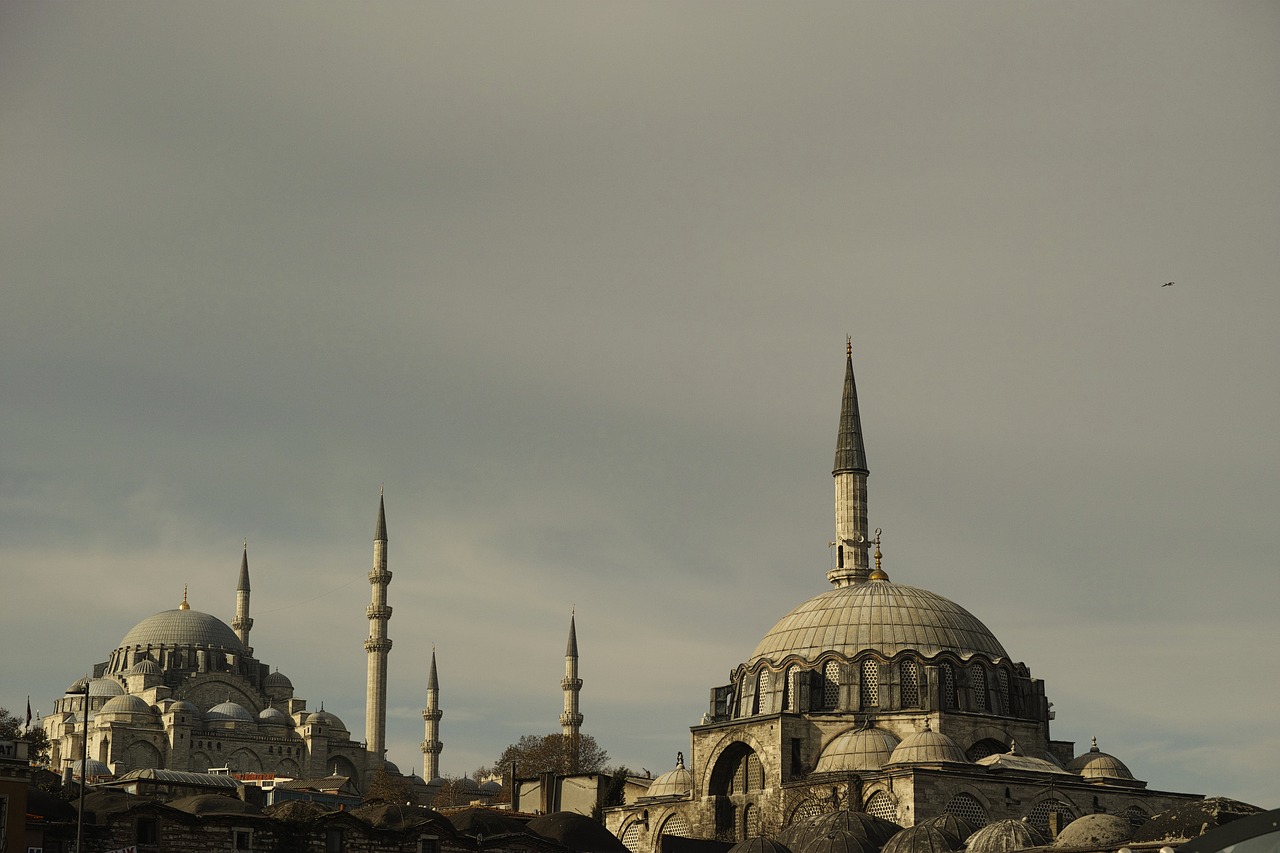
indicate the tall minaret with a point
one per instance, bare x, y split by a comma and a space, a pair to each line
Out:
571, 719
850, 473
242, 623
378, 645
431, 715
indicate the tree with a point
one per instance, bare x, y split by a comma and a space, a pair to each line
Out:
389, 789
534, 754
12, 728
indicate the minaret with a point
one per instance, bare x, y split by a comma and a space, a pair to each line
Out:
571, 719
431, 715
378, 645
850, 474
242, 623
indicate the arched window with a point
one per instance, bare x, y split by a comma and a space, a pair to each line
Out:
1002, 681
909, 678
631, 836
985, 747
948, 686
1135, 815
760, 701
831, 684
1043, 810
978, 677
792, 687
675, 825
869, 684
811, 807
967, 808
879, 805
750, 821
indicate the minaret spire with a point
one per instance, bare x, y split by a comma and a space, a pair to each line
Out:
571, 719
850, 473
378, 645
243, 622
431, 745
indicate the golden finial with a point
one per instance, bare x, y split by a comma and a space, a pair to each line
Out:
184, 605
878, 574
848, 345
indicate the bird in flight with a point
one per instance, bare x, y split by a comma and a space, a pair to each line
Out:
1167, 284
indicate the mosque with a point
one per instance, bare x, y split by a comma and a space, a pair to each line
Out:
882, 698
182, 691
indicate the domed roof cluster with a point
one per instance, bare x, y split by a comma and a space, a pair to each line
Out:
181, 627
878, 616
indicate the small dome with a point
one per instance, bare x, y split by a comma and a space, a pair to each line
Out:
1005, 836
435, 782
277, 679
466, 783
78, 685
325, 718
229, 712
272, 717
96, 768
104, 687
674, 783
191, 709
146, 666
928, 747
859, 749
922, 839
125, 704
954, 824
1095, 831
490, 787
576, 832
390, 768
759, 844
1096, 764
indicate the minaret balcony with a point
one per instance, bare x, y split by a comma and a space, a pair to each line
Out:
574, 720
373, 644
379, 576
571, 684
378, 611
432, 747
432, 716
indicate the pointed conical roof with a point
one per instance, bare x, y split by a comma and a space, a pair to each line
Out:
243, 585
380, 532
433, 683
850, 453
571, 651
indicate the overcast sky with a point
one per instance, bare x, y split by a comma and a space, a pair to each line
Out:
573, 281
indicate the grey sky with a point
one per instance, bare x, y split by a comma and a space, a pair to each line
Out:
573, 280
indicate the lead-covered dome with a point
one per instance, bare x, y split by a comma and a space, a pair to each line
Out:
877, 616
859, 750
182, 628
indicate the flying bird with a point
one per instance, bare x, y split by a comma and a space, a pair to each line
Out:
1167, 284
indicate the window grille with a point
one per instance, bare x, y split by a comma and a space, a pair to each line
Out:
1002, 681
675, 825
1040, 812
811, 807
869, 683
831, 684
631, 837
755, 773
879, 805
739, 784
791, 686
751, 821
909, 677
948, 686
967, 808
1135, 815
978, 675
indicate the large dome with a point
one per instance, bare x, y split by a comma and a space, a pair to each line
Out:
182, 628
877, 616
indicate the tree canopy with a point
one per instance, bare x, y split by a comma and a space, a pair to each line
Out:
534, 754
12, 728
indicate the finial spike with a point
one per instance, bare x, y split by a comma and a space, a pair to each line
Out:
848, 345
184, 605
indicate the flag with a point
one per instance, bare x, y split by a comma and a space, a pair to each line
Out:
28, 726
